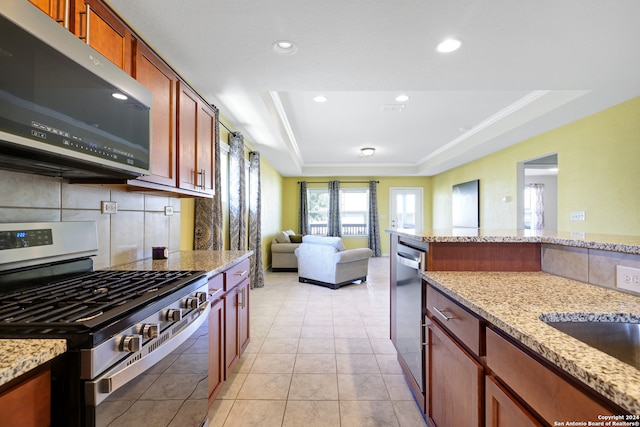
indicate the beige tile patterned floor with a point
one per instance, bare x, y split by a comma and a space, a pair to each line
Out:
318, 357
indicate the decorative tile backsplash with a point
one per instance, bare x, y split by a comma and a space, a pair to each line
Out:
126, 236
593, 266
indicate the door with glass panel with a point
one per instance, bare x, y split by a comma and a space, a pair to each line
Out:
405, 211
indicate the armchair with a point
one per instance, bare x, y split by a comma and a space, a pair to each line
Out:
325, 261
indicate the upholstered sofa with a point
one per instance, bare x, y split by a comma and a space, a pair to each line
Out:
282, 247
325, 261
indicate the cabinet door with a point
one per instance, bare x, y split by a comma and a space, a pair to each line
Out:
502, 410
28, 404
156, 76
58, 10
205, 148
231, 349
187, 137
216, 348
455, 382
102, 30
243, 315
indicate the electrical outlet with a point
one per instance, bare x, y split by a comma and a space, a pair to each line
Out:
628, 278
168, 210
109, 207
577, 216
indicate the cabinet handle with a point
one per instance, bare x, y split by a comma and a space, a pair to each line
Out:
241, 273
241, 304
87, 29
441, 313
64, 20
203, 179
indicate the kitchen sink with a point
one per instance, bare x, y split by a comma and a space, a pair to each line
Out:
618, 339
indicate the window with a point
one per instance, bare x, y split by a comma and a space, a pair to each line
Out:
354, 211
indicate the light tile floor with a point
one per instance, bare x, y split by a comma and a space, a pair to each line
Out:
318, 357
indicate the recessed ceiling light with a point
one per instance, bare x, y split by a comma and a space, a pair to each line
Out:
367, 151
121, 96
449, 45
284, 47
402, 98
320, 98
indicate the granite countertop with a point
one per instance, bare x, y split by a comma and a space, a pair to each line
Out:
19, 356
605, 242
514, 303
213, 262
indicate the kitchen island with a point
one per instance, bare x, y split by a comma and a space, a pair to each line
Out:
507, 283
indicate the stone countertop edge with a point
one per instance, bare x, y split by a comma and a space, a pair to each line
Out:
19, 356
514, 302
614, 243
213, 262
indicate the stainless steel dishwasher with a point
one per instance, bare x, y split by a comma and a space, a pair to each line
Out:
409, 309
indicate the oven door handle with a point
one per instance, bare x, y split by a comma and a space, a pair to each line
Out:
99, 389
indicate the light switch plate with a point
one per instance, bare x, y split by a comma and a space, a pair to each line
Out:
109, 207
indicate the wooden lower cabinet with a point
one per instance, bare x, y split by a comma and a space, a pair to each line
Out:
28, 402
216, 348
455, 382
502, 410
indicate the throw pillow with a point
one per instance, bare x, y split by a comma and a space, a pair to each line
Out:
295, 238
282, 237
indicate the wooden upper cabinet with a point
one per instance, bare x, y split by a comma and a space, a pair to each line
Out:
156, 76
105, 32
196, 133
58, 10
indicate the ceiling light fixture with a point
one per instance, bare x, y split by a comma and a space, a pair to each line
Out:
402, 98
449, 45
367, 151
121, 96
320, 98
284, 47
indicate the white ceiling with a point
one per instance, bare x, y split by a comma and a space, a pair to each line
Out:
525, 67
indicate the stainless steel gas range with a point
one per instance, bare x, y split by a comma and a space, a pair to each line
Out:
117, 324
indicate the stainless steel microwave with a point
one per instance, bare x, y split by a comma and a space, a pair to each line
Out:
65, 110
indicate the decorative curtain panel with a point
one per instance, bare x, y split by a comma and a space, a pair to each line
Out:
237, 193
303, 212
208, 212
255, 208
536, 192
334, 226
374, 229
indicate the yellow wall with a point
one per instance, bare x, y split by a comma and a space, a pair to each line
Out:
291, 200
598, 174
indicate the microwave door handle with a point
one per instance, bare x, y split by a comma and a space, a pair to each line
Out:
100, 388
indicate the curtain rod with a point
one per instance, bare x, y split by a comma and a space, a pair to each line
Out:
225, 126
346, 182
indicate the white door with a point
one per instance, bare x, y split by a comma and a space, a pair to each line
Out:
405, 211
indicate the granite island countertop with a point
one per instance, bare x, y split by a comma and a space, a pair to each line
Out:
19, 356
213, 262
514, 302
605, 242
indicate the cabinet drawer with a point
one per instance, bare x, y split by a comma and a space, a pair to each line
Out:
456, 319
550, 395
216, 286
236, 274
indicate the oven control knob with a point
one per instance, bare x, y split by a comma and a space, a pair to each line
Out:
202, 297
191, 303
149, 330
173, 315
131, 343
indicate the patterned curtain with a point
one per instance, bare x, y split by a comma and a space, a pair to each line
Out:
303, 212
333, 226
255, 234
374, 229
536, 192
237, 193
208, 212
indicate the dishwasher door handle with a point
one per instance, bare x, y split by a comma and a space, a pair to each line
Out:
408, 262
